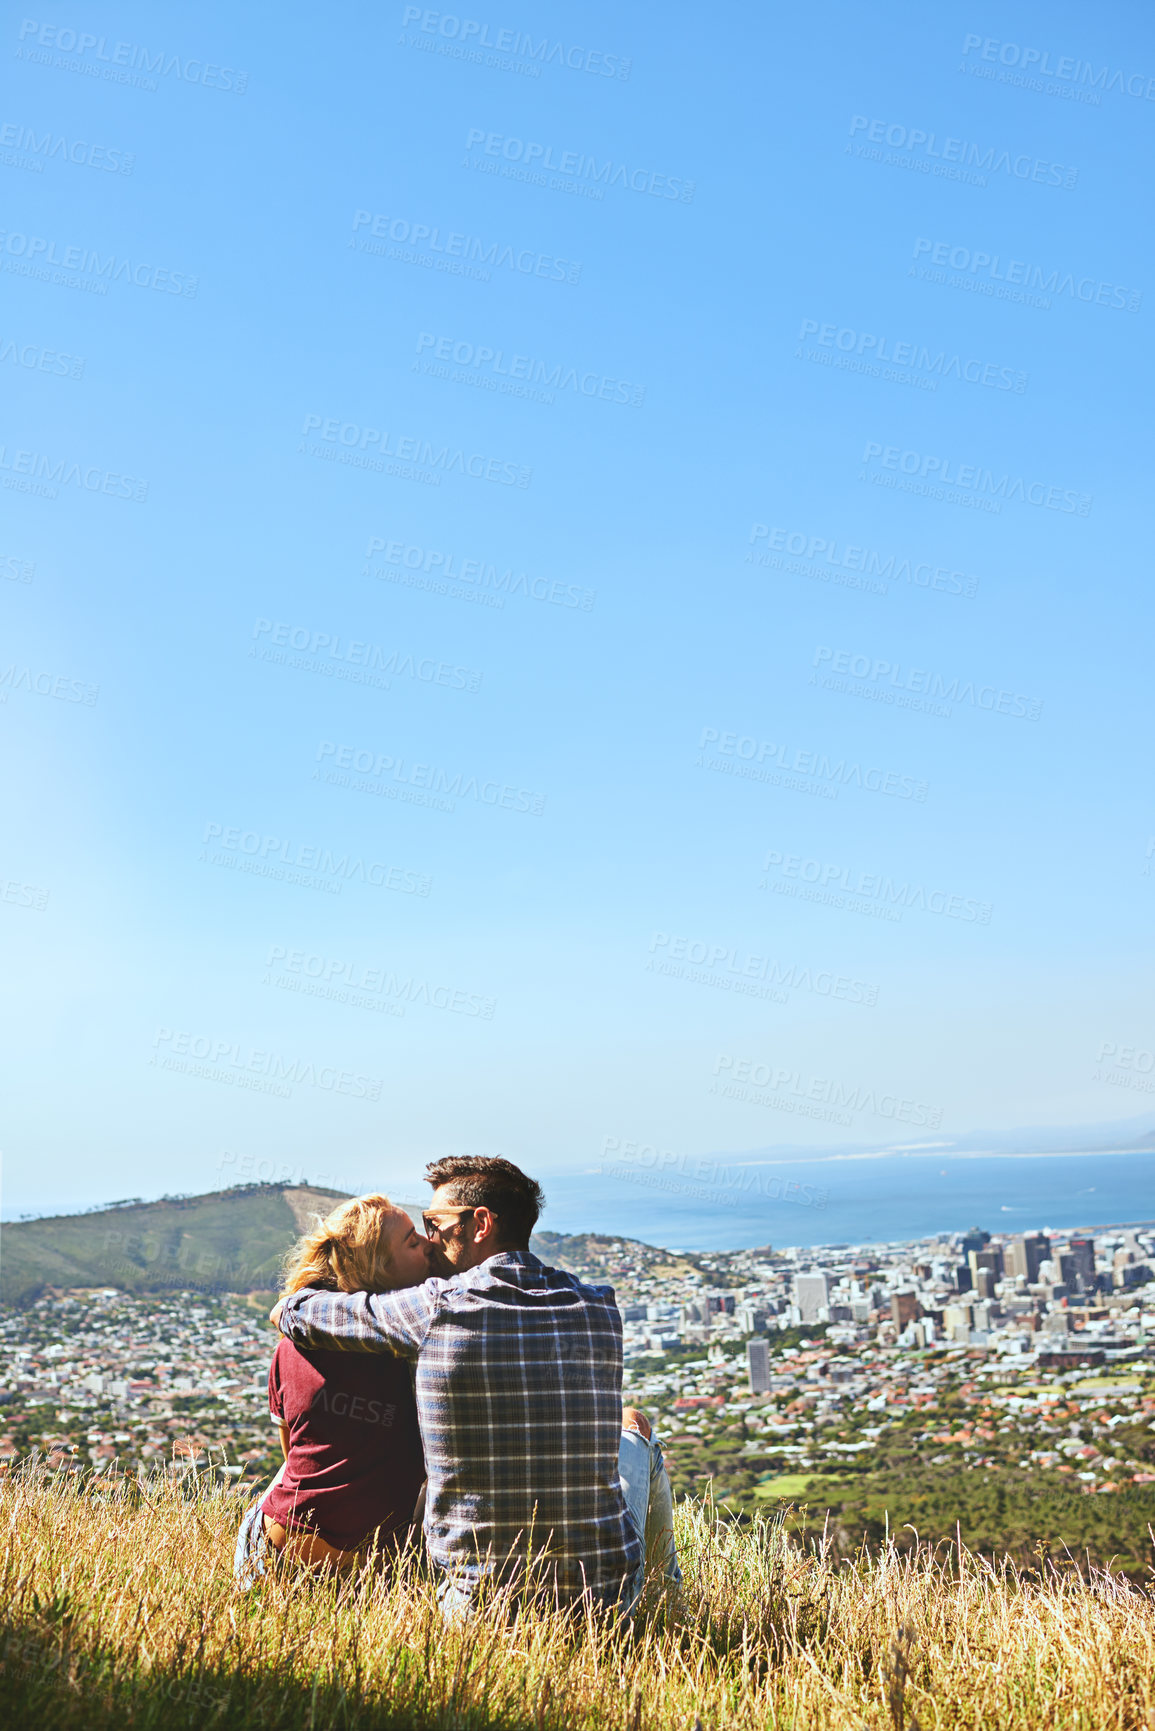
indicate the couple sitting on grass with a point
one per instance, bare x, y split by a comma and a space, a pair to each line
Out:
460, 1359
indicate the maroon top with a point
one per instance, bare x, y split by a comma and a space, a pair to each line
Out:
355, 1464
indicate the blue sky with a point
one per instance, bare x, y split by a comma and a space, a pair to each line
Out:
641, 589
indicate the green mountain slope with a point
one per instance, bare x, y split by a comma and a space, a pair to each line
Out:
226, 1241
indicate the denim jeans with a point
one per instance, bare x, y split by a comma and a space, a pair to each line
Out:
252, 1552
650, 1505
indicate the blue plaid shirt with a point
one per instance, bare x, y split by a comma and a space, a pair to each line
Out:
519, 1394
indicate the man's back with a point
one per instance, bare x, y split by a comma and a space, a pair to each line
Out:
519, 1372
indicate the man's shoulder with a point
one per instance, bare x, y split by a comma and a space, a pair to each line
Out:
522, 1269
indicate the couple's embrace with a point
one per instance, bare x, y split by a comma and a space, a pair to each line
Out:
460, 1359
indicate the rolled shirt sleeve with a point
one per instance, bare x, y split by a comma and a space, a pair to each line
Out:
396, 1322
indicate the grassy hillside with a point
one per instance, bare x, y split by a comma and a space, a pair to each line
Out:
226, 1241
138, 1628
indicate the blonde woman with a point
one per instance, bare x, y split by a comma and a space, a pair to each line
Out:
353, 1464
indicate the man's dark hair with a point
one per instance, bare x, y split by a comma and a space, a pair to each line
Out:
479, 1181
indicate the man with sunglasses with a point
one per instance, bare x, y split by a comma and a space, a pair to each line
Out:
535, 1475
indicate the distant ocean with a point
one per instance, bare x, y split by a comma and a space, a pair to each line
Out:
731, 1202
891, 1197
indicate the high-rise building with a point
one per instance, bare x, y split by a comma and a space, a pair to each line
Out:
1025, 1255
1082, 1252
811, 1294
1038, 1249
758, 1365
990, 1258
1015, 1258
1069, 1271
975, 1239
904, 1308
956, 1321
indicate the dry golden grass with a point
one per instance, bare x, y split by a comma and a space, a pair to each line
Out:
118, 1613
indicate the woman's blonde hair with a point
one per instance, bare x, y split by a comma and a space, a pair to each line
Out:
345, 1252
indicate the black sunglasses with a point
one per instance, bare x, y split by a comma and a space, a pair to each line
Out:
432, 1230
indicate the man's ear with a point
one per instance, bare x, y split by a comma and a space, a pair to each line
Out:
485, 1226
